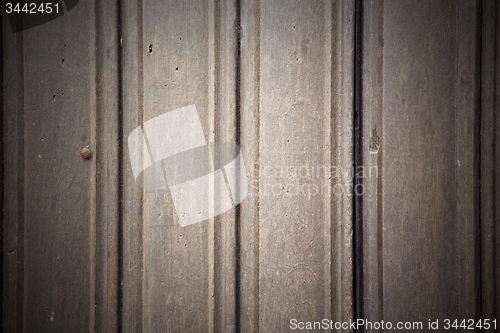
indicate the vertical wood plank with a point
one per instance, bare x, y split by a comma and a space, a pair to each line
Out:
58, 124
13, 138
177, 54
175, 74
305, 132
342, 102
62, 209
420, 102
228, 289
490, 123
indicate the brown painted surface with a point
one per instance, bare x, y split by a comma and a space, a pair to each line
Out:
295, 251
490, 144
86, 249
170, 61
421, 215
61, 211
305, 128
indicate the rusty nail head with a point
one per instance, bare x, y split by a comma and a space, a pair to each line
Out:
85, 152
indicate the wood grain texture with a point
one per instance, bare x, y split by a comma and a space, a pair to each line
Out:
233, 271
106, 126
420, 104
87, 249
226, 128
305, 73
133, 116
176, 54
59, 76
490, 125
13, 138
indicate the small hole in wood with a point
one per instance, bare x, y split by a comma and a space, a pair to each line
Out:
150, 48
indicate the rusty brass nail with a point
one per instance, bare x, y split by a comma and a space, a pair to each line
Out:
85, 152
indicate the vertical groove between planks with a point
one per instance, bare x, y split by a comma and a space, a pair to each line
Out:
133, 116
328, 157
372, 101
380, 189
237, 286
379, 182
121, 161
94, 181
343, 43
212, 21
107, 141
21, 189
2, 177
250, 137
358, 162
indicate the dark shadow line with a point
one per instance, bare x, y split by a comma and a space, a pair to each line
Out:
238, 142
477, 165
120, 167
2, 175
358, 199
21, 217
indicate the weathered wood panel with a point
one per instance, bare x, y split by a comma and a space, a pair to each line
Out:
13, 131
107, 127
281, 87
177, 54
81, 238
249, 141
420, 120
490, 145
132, 195
61, 267
304, 61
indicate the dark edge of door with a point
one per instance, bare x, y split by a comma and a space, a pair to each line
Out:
237, 209
12, 206
358, 162
1, 172
488, 164
120, 168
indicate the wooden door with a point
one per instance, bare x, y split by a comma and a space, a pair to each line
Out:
368, 135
